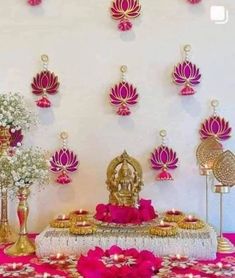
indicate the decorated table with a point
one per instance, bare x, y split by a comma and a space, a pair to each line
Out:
41, 266
198, 244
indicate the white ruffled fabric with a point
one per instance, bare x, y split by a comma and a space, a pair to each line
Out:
200, 244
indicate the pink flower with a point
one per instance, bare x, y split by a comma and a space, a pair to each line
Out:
129, 264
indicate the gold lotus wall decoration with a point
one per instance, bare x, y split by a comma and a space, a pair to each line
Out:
224, 172
207, 152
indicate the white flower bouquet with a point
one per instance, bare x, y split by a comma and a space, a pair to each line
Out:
14, 112
29, 166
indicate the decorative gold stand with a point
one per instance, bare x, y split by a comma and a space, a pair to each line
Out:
224, 245
207, 152
23, 246
6, 234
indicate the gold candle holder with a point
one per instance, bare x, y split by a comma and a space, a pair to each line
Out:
79, 215
82, 228
224, 172
163, 230
61, 222
191, 223
224, 245
173, 216
24, 246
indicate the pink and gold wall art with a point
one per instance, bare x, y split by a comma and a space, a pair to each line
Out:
123, 95
44, 83
215, 125
64, 162
34, 2
164, 159
186, 74
124, 11
194, 1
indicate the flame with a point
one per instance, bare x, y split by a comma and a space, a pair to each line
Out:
115, 257
220, 265
162, 223
14, 265
178, 256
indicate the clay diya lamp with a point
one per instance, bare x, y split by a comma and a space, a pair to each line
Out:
178, 261
16, 270
220, 270
62, 222
163, 230
48, 275
173, 216
191, 223
82, 228
59, 260
79, 215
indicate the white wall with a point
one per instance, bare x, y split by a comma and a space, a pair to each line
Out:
86, 51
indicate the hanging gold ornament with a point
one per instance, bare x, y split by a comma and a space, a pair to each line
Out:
208, 151
224, 168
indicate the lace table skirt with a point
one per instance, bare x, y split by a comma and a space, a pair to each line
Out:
201, 244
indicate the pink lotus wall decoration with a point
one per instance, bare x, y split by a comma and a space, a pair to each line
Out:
63, 162
194, 1
186, 74
164, 159
123, 95
45, 82
215, 126
34, 2
124, 10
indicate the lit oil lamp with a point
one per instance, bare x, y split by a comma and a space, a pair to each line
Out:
189, 275
118, 260
48, 275
163, 229
220, 270
191, 223
79, 215
173, 216
16, 270
82, 228
59, 260
178, 261
62, 221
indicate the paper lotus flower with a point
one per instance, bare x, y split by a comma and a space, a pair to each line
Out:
124, 10
187, 75
216, 126
164, 158
122, 96
116, 262
45, 82
64, 161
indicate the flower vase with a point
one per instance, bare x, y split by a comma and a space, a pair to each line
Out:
6, 234
23, 246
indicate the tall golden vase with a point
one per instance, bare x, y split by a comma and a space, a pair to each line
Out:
6, 234
23, 246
